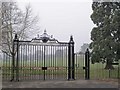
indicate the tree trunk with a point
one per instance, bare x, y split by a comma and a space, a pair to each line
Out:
109, 65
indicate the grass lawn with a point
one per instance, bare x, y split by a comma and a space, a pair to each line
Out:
59, 67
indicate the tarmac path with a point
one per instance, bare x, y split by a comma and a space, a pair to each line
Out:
61, 84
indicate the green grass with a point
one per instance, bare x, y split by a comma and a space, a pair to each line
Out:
97, 70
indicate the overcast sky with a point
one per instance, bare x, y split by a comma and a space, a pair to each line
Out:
63, 18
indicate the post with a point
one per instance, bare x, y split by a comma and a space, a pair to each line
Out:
73, 58
87, 65
17, 58
69, 61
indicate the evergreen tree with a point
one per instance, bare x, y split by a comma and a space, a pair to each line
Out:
105, 36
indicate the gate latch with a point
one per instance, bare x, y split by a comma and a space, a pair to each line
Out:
44, 68
84, 67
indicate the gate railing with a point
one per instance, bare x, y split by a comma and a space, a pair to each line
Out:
97, 70
15, 58
91, 71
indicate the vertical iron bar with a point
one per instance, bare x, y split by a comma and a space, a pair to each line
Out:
35, 63
28, 64
86, 65
17, 61
66, 65
77, 72
51, 62
63, 60
9, 67
39, 61
44, 62
30, 60
73, 62
21, 62
25, 59
55, 63
32, 65
69, 61
6, 67
83, 55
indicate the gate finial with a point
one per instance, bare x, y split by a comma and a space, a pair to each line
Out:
45, 31
87, 50
71, 39
15, 36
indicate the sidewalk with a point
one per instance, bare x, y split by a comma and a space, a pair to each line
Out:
61, 84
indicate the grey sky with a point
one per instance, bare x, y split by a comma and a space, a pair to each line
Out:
62, 19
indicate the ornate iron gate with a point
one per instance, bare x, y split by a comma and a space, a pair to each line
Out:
82, 67
79, 63
45, 58
42, 58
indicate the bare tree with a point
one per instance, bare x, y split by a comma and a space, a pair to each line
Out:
0, 27
15, 21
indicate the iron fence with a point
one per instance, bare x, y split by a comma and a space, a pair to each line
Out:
36, 60
42, 59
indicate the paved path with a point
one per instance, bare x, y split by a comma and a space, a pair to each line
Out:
62, 84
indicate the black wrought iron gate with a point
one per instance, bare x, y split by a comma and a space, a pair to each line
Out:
41, 59
45, 58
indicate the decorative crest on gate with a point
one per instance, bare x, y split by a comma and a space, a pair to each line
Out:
44, 37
